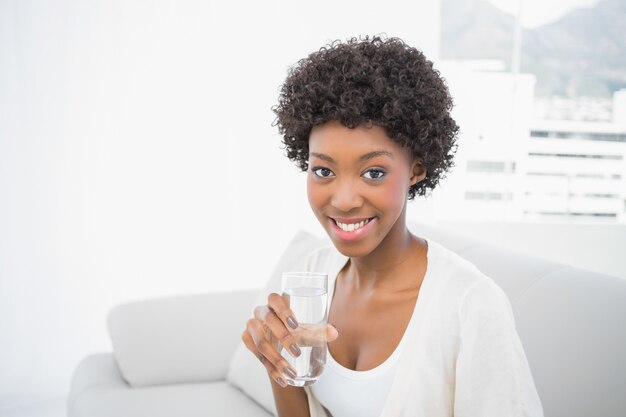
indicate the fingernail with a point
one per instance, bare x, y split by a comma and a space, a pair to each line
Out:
295, 349
290, 373
281, 382
292, 322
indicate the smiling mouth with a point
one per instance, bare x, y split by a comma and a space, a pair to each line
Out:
351, 227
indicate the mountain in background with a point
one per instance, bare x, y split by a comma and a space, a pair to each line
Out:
581, 54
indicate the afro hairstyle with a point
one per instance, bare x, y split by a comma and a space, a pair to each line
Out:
366, 81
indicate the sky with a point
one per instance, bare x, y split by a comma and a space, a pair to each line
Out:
540, 12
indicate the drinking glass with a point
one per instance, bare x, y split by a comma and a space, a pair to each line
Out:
306, 293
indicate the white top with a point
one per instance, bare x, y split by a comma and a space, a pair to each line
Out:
371, 386
461, 355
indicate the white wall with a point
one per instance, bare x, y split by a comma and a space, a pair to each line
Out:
137, 158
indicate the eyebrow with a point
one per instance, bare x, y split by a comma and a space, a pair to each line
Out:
365, 157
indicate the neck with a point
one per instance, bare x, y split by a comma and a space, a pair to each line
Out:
381, 268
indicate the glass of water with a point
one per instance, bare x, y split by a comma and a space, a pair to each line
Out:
306, 293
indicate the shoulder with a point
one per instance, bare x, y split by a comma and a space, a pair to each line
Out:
453, 265
462, 281
451, 270
485, 301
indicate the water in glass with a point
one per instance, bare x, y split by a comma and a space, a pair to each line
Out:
309, 306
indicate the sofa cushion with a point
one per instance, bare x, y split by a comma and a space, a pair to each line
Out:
573, 325
245, 370
99, 391
173, 339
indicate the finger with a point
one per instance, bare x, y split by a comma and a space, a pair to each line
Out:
280, 306
315, 334
271, 370
283, 335
263, 346
249, 344
263, 314
331, 333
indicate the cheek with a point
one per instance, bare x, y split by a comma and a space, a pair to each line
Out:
393, 194
314, 194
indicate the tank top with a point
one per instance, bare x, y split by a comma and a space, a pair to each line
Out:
348, 393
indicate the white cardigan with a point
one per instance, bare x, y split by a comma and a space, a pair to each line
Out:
463, 356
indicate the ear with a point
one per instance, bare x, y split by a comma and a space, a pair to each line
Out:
418, 172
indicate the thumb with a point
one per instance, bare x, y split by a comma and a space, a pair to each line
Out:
331, 333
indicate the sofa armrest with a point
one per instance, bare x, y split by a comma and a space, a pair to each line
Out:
178, 339
96, 370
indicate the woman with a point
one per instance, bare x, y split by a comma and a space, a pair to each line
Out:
418, 330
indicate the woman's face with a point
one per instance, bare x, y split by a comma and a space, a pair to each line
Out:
358, 181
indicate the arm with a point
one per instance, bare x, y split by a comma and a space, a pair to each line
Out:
290, 401
493, 377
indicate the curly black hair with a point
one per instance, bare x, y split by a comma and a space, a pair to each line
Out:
371, 81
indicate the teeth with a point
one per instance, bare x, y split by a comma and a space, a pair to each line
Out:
352, 226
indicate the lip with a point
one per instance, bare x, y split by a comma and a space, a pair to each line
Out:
351, 236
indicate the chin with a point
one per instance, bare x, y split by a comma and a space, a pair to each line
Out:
352, 250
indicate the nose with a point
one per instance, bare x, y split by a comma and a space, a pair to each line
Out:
346, 197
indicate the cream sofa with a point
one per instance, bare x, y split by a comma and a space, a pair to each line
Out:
182, 356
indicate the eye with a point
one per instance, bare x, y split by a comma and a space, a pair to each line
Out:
374, 174
323, 172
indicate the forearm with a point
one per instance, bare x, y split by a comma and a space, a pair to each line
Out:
290, 401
